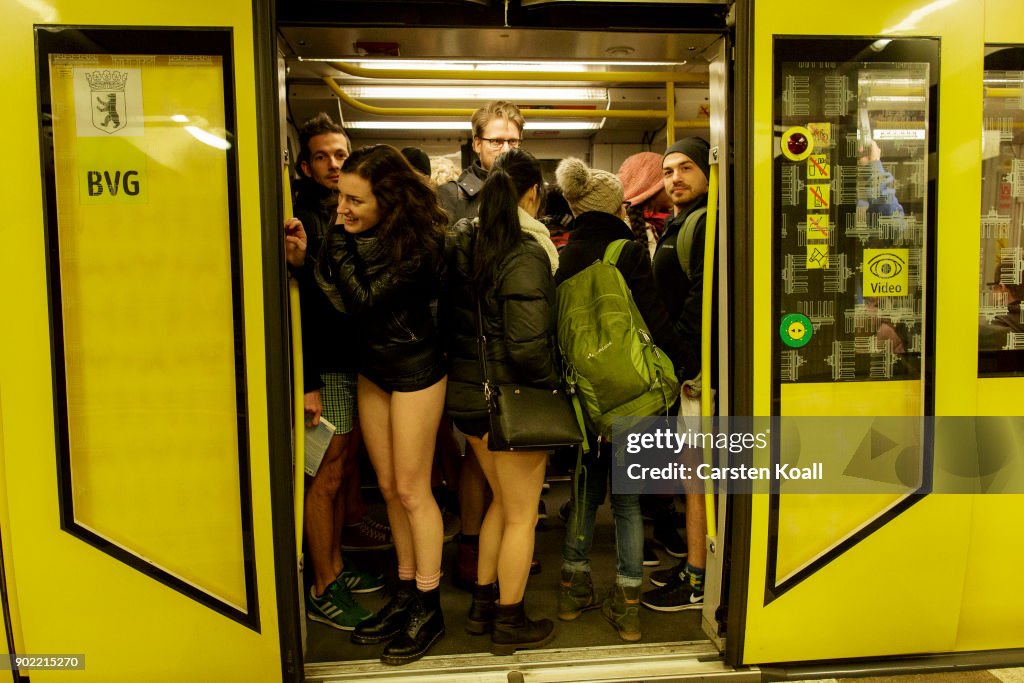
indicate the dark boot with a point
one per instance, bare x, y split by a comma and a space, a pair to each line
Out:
466, 557
622, 610
575, 594
513, 630
481, 612
390, 619
425, 627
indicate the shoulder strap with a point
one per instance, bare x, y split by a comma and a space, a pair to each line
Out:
613, 251
684, 240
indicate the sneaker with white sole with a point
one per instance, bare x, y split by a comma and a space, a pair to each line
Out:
360, 581
675, 596
336, 607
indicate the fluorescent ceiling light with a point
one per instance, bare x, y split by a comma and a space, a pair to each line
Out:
179, 118
517, 94
486, 65
413, 125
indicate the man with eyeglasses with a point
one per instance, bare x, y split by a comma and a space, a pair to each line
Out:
497, 128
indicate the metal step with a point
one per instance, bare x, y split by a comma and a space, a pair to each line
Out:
680, 661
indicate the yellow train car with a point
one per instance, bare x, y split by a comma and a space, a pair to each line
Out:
870, 201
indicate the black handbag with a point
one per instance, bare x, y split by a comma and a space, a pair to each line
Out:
523, 417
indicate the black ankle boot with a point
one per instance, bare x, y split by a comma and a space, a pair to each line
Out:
481, 612
513, 630
391, 618
425, 627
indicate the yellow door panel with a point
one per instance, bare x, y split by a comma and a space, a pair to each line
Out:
897, 591
158, 365
838, 576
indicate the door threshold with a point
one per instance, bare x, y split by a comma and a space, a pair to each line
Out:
660, 662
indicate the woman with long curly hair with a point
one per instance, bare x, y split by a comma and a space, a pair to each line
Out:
381, 263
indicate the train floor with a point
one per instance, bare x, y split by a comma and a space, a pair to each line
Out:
326, 644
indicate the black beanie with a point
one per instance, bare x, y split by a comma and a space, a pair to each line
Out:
695, 148
418, 159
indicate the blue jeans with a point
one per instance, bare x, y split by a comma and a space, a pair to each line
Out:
629, 526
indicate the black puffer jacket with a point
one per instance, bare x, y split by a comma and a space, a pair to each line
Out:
396, 334
591, 234
518, 321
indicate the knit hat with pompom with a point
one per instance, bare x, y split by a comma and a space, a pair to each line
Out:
588, 189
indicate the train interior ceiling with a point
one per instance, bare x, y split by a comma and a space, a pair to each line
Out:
351, 57
543, 58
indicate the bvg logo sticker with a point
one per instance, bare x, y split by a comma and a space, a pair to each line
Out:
885, 272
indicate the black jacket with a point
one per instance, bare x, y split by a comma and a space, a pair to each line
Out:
461, 198
518, 321
590, 235
328, 336
396, 335
682, 296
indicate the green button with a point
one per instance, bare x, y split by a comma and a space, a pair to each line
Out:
796, 330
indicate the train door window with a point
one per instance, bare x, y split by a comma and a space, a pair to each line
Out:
852, 210
1001, 277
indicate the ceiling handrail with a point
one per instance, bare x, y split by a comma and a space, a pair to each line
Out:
460, 75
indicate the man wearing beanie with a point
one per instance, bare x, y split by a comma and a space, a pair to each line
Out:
685, 175
596, 200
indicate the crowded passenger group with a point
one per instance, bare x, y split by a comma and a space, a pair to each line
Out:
431, 303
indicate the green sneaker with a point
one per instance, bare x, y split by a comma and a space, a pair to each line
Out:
575, 594
360, 581
622, 610
336, 607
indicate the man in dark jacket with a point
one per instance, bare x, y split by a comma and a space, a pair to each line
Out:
329, 355
685, 168
497, 127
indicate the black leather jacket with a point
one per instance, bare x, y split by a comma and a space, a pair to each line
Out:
396, 335
518, 321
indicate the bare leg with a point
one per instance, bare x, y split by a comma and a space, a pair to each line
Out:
493, 527
353, 510
472, 491
322, 535
414, 419
516, 480
375, 420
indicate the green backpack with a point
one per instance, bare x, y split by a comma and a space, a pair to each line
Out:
612, 364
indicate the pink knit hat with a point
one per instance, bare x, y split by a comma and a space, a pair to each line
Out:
641, 176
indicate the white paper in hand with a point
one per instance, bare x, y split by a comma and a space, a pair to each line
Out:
317, 439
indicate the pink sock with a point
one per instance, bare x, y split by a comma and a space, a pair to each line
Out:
428, 583
406, 573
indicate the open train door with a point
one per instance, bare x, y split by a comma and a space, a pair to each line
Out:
137, 438
865, 139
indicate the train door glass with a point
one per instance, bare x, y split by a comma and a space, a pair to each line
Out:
1001, 276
